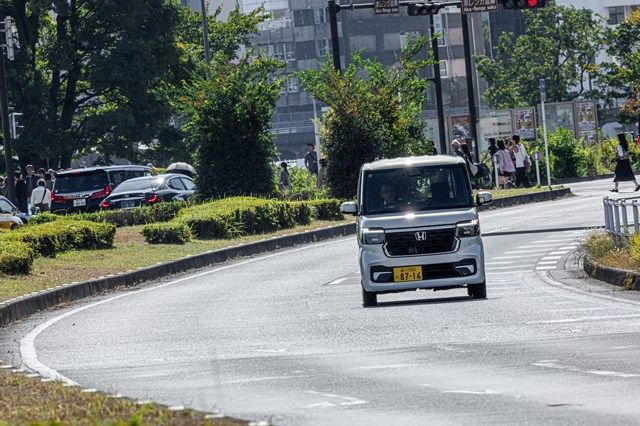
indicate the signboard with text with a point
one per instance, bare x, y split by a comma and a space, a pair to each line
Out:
586, 118
524, 123
473, 6
386, 6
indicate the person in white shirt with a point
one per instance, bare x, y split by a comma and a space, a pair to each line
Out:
41, 198
522, 158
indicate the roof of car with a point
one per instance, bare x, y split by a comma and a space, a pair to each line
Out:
427, 160
160, 176
93, 169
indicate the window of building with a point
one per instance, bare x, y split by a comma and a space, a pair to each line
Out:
322, 47
282, 51
319, 16
616, 15
368, 42
444, 69
406, 36
292, 84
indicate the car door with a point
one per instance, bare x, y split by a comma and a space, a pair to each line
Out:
178, 189
190, 187
6, 214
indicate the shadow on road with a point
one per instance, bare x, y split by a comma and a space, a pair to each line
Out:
459, 299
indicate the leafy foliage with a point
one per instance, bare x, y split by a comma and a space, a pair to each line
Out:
167, 233
560, 45
375, 112
15, 258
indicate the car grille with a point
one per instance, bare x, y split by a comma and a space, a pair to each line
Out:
433, 241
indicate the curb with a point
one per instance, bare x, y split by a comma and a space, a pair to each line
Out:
628, 280
536, 197
583, 179
24, 306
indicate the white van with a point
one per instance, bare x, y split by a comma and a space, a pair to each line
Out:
418, 227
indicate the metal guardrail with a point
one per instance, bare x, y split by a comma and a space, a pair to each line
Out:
616, 216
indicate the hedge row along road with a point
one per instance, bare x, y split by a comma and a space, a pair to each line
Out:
282, 337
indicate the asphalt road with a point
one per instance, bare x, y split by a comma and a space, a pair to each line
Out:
283, 338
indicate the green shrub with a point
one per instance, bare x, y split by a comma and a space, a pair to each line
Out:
51, 238
15, 258
231, 217
167, 233
303, 186
328, 209
303, 212
161, 212
43, 217
599, 244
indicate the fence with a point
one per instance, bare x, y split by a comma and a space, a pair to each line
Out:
616, 216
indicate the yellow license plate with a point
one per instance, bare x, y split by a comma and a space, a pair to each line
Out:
406, 274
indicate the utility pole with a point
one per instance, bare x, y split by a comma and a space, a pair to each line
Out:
470, 92
205, 32
4, 110
438, 83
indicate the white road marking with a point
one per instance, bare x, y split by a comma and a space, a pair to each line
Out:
27, 344
593, 318
529, 256
555, 366
488, 233
383, 367
338, 281
473, 392
260, 379
551, 258
548, 262
541, 250
515, 268
553, 253
507, 262
546, 268
341, 400
575, 310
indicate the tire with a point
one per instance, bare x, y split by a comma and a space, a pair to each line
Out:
478, 291
13, 227
369, 299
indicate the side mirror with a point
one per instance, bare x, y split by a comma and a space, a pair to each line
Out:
349, 208
484, 198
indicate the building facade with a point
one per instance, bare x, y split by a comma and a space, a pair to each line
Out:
226, 5
298, 33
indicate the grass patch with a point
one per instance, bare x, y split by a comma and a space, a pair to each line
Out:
129, 251
25, 400
503, 193
602, 248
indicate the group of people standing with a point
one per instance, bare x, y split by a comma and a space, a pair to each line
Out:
31, 189
311, 163
513, 161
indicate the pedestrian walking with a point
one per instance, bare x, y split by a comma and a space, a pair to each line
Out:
21, 192
623, 172
322, 173
311, 159
458, 151
31, 179
285, 181
523, 162
3, 187
40, 198
506, 167
493, 150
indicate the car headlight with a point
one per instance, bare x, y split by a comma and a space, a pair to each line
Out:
373, 236
468, 229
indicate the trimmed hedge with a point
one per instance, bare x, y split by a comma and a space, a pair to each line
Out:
161, 212
328, 209
51, 238
233, 217
167, 233
15, 258
43, 217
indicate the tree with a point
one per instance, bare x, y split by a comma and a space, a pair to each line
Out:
622, 76
560, 45
85, 71
374, 112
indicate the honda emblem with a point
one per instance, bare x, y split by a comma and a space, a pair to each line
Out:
421, 236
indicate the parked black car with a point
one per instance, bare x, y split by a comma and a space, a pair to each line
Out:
149, 190
84, 189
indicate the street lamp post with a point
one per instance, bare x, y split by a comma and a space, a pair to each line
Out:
543, 98
4, 110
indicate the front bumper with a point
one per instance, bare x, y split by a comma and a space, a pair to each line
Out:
463, 267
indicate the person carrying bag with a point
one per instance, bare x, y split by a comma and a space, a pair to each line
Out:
40, 198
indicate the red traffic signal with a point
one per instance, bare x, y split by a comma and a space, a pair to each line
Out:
523, 4
415, 9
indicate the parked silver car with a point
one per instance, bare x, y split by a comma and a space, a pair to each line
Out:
418, 227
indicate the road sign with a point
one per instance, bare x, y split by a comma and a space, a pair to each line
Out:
472, 6
386, 6
543, 90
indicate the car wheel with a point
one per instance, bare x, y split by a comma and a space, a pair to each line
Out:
368, 298
14, 226
478, 291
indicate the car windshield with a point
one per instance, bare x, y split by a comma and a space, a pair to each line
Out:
138, 185
81, 181
416, 189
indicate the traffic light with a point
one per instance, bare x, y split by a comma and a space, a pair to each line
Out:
415, 9
523, 4
15, 129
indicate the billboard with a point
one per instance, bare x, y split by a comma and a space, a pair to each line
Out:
494, 124
524, 123
586, 119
